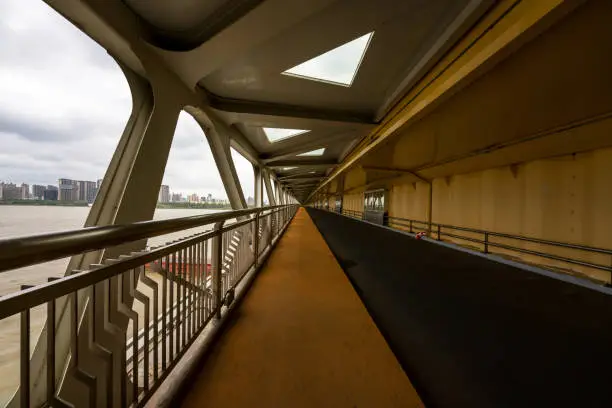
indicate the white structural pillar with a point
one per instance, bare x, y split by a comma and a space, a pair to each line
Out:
220, 148
128, 193
268, 184
279, 192
258, 185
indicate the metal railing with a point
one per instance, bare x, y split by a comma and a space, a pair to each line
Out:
507, 244
122, 325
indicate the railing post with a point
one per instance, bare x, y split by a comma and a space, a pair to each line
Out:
438, 232
217, 265
411, 226
486, 242
24, 370
256, 240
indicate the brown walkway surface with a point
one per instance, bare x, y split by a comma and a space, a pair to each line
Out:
301, 338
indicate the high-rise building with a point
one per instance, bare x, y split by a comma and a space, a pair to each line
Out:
50, 193
77, 190
87, 191
177, 197
9, 191
164, 194
24, 191
68, 190
193, 198
38, 191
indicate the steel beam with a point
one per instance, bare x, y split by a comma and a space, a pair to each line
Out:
300, 176
303, 163
310, 144
276, 109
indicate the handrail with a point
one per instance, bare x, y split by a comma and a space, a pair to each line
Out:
186, 297
437, 232
19, 252
511, 236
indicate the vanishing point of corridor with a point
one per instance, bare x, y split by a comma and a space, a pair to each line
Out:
301, 338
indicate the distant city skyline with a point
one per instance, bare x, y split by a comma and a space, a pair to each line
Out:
83, 191
55, 119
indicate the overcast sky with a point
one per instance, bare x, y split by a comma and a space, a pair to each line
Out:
64, 103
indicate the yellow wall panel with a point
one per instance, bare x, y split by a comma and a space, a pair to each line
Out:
563, 199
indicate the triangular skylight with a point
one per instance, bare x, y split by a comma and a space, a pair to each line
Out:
318, 152
338, 66
276, 134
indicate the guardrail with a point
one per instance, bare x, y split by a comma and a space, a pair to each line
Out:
122, 325
506, 244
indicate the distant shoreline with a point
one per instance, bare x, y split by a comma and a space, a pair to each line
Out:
194, 206
53, 203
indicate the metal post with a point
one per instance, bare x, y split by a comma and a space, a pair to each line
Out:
24, 371
51, 348
486, 242
438, 232
217, 265
411, 226
256, 240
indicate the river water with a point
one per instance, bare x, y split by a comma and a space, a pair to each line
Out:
27, 220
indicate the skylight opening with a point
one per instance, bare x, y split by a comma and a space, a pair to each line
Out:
288, 168
277, 134
317, 152
338, 66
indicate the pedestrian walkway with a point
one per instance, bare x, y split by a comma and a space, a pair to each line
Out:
301, 338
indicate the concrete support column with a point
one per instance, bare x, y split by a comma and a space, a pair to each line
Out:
258, 185
220, 148
279, 192
128, 193
268, 183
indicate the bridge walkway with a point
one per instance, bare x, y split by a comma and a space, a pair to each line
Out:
301, 338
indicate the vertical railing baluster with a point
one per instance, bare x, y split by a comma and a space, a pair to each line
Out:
50, 351
205, 277
207, 298
155, 331
190, 291
147, 317
164, 309
217, 255
179, 288
486, 242
256, 240
171, 321
193, 287
198, 273
203, 282
130, 275
184, 281
24, 372
94, 339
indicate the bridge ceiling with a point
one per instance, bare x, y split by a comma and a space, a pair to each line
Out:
236, 51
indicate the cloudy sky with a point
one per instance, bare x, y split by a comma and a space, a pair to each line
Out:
64, 103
